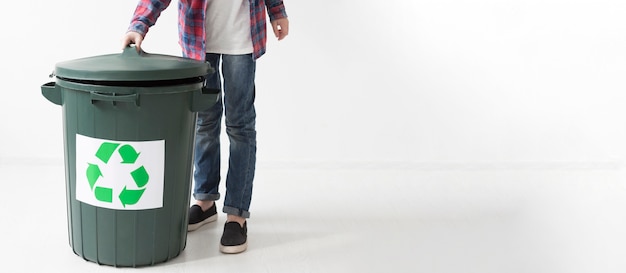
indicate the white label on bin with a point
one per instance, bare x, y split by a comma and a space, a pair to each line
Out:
120, 175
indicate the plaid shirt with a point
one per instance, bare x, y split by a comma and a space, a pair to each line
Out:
191, 23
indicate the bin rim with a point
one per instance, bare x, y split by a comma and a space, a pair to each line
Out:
109, 89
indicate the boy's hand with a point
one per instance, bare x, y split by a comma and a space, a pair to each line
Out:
281, 28
132, 37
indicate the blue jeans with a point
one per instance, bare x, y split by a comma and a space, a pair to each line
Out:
238, 108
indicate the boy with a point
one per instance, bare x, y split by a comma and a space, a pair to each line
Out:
233, 32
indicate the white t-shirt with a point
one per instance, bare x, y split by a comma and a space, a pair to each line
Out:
228, 27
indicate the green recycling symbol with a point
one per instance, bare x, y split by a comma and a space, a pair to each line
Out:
129, 156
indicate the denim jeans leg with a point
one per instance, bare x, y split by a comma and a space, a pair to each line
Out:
239, 95
207, 146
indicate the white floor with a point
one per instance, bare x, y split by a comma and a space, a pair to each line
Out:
534, 218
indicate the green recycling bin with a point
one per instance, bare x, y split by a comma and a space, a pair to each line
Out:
128, 133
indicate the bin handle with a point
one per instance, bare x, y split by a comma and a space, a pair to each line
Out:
204, 98
112, 97
52, 93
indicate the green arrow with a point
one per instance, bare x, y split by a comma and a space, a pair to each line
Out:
130, 197
93, 173
128, 154
106, 151
104, 194
141, 177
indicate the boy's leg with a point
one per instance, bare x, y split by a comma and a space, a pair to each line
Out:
207, 155
239, 94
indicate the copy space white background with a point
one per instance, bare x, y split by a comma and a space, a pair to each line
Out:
391, 82
443, 135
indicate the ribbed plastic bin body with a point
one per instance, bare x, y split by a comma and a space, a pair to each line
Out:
128, 164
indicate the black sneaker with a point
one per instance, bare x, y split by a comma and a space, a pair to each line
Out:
235, 238
197, 217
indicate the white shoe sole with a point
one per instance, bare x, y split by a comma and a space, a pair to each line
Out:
234, 249
192, 227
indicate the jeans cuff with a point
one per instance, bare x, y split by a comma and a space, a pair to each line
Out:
236, 211
206, 196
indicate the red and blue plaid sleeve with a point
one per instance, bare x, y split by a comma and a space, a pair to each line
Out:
191, 24
146, 15
258, 27
276, 9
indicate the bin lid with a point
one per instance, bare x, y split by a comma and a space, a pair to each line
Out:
131, 65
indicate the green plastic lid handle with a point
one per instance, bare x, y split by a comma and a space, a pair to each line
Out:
131, 52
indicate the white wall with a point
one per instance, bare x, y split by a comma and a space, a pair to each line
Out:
406, 83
